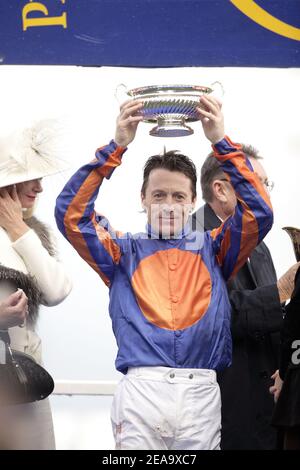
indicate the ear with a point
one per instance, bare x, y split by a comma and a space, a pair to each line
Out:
193, 204
143, 201
219, 190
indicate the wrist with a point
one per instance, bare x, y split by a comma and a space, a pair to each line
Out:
17, 230
216, 139
120, 142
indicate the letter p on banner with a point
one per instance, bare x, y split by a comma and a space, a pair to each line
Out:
41, 20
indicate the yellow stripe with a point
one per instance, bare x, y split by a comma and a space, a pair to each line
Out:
265, 19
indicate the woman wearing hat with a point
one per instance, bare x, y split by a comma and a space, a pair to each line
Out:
28, 262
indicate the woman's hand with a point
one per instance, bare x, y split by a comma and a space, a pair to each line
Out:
276, 388
11, 217
10, 207
13, 310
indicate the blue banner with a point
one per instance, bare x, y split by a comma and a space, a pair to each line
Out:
151, 33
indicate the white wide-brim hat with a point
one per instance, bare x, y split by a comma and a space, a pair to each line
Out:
32, 153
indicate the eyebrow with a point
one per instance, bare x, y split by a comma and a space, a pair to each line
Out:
165, 192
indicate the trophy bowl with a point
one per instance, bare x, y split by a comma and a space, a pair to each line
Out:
170, 106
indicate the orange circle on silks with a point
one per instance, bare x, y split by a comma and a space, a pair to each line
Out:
172, 288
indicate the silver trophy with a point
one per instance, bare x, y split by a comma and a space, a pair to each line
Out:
170, 106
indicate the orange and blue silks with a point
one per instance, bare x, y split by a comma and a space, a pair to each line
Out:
168, 298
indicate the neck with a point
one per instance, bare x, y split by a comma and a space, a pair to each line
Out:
185, 231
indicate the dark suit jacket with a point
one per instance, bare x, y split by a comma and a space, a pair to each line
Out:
291, 329
247, 405
287, 410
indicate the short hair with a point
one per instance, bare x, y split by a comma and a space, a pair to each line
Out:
172, 160
212, 170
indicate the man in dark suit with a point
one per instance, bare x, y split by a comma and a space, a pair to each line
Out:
256, 299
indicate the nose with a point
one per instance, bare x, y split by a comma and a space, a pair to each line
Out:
169, 203
37, 187
168, 208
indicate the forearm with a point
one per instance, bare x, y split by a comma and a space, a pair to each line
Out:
253, 199
248, 188
49, 273
76, 217
76, 201
253, 216
17, 229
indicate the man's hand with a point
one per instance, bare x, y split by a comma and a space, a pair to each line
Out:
13, 310
211, 117
286, 283
127, 122
276, 388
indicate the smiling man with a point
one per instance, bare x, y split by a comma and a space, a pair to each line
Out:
168, 299
168, 193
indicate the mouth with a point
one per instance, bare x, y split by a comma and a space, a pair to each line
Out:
168, 217
32, 198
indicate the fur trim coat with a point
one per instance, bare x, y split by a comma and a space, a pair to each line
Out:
30, 263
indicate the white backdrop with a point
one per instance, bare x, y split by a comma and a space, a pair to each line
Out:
261, 107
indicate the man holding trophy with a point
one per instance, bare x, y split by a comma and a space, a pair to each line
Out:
168, 299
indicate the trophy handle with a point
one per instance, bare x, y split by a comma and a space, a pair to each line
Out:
220, 87
121, 93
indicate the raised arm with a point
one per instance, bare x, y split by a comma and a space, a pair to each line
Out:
89, 233
235, 239
51, 278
